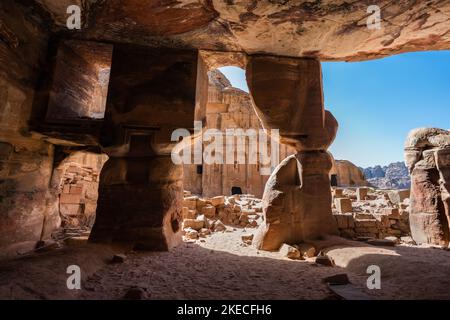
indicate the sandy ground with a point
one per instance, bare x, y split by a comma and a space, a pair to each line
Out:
222, 267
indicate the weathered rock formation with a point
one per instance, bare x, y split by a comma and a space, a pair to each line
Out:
230, 108
326, 30
347, 174
144, 108
287, 94
427, 154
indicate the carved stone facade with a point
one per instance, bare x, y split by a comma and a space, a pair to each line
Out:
230, 108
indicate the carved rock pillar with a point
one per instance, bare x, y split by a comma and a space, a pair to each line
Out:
152, 92
287, 95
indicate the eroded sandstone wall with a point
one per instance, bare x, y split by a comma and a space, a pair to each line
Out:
28, 210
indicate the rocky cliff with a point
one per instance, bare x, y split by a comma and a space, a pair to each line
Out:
392, 176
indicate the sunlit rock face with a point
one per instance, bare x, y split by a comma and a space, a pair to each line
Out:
287, 94
427, 153
348, 174
327, 30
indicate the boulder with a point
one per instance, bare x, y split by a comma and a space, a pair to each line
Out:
191, 234
193, 224
307, 250
290, 252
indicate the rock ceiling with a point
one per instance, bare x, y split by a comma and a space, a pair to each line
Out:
331, 30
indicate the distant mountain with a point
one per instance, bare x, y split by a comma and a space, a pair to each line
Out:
393, 176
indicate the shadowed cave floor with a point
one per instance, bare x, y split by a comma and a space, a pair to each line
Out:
223, 268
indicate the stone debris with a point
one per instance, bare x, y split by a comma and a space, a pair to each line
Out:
247, 239
307, 250
361, 214
190, 234
208, 215
365, 213
218, 226
290, 252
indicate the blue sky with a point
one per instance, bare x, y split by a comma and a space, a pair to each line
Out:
378, 102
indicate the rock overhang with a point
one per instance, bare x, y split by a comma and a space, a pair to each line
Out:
326, 30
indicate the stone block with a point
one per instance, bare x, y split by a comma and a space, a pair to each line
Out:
76, 190
209, 211
364, 215
200, 204
343, 205
217, 201
392, 213
398, 196
361, 194
193, 224
67, 198
190, 202
188, 214
338, 193
344, 220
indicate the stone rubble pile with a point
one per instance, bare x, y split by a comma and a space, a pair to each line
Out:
201, 216
368, 213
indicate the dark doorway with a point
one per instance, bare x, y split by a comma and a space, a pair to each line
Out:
334, 182
236, 190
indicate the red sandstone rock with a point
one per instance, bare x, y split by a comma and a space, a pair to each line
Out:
427, 152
